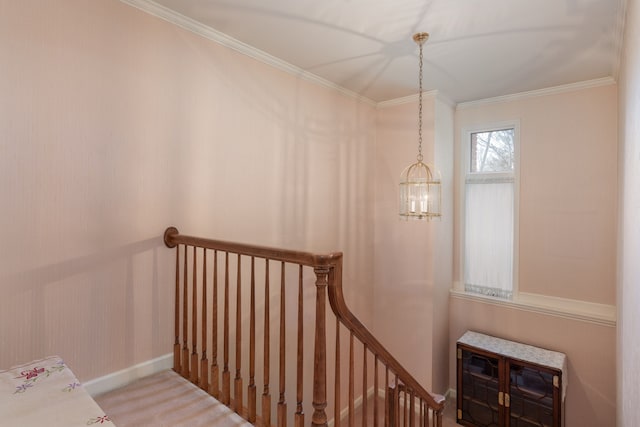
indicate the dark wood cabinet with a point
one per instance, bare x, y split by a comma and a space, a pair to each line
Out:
502, 383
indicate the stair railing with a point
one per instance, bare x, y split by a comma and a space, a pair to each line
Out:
378, 390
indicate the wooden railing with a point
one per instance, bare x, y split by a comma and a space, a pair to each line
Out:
377, 390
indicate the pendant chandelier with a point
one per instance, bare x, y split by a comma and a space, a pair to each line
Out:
420, 184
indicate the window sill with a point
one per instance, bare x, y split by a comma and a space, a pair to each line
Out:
600, 314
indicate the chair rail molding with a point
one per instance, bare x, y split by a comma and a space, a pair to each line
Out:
586, 311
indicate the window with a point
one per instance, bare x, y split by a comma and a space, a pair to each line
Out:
490, 211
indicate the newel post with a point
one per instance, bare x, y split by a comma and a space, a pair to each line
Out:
320, 354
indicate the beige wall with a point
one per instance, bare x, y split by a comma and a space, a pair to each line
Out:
413, 258
114, 125
629, 230
590, 350
567, 219
403, 251
443, 253
567, 247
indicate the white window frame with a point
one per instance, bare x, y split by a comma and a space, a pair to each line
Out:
585, 311
465, 158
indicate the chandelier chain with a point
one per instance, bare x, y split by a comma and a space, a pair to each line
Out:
420, 108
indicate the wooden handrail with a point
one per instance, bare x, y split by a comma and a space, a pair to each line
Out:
172, 238
336, 300
328, 271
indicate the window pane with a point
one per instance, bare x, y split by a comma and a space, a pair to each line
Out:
492, 151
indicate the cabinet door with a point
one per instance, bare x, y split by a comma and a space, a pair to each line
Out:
478, 388
531, 395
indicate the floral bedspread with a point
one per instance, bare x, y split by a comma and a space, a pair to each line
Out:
46, 393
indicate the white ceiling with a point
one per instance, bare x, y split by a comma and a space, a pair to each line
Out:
477, 49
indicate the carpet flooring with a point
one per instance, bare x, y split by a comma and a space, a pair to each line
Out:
166, 399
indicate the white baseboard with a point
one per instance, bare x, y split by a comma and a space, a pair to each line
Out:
121, 378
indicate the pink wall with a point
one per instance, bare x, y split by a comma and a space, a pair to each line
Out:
629, 230
116, 124
590, 350
568, 177
567, 232
413, 259
443, 254
403, 250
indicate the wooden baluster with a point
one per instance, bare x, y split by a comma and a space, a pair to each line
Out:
194, 321
392, 403
226, 376
365, 395
400, 407
351, 383
412, 409
282, 404
215, 374
375, 391
185, 323
336, 390
299, 417
431, 414
237, 384
204, 363
387, 397
176, 344
396, 401
319, 403
406, 408
251, 392
266, 395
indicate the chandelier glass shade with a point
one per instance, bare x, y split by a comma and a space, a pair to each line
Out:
420, 192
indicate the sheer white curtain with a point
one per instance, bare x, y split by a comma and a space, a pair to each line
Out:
488, 253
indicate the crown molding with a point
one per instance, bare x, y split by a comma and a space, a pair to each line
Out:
618, 37
604, 81
209, 33
171, 16
414, 98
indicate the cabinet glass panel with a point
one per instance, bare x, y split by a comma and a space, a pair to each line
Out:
480, 376
531, 392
